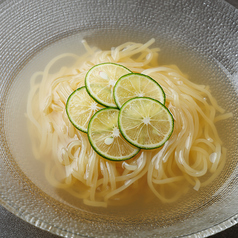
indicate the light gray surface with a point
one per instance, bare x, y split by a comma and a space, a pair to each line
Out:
13, 227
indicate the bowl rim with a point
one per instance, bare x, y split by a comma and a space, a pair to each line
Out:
26, 216
34, 220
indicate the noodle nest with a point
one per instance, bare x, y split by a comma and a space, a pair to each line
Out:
193, 155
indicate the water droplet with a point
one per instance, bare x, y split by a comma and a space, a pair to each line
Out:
93, 106
103, 75
109, 140
146, 120
112, 82
116, 132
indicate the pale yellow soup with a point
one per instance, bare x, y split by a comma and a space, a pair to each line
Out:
191, 159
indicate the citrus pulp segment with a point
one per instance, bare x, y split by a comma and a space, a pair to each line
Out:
105, 137
101, 79
137, 85
145, 122
80, 107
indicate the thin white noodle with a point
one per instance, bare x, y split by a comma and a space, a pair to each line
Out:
193, 151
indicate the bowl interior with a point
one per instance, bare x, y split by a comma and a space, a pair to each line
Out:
191, 35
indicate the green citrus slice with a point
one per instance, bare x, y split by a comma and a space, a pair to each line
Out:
137, 85
80, 107
145, 122
105, 137
100, 81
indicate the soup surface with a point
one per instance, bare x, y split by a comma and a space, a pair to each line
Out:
174, 183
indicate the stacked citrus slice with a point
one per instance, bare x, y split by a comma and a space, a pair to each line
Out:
80, 107
145, 122
105, 137
100, 81
135, 116
137, 85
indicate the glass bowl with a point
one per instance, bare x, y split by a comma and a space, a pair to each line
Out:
199, 36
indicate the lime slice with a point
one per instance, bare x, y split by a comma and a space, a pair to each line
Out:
137, 85
105, 137
145, 122
80, 107
100, 81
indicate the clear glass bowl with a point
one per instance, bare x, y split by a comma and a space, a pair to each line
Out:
208, 29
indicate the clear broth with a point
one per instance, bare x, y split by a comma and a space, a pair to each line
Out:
200, 70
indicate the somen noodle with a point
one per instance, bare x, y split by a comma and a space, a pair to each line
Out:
194, 153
